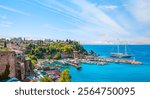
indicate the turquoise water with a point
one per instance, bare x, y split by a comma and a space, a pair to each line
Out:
115, 72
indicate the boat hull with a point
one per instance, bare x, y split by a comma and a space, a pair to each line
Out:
116, 55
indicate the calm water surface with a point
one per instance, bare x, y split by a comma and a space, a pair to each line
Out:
115, 72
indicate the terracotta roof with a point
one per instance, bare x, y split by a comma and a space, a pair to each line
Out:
18, 51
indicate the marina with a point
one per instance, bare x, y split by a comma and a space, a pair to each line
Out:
96, 60
114, 71
98, 65
74, 41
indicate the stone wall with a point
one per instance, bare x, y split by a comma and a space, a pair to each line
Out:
19, 66
24, 68
8, 57
28, 67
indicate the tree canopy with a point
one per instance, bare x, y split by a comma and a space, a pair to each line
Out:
53, 48
65, 76
46, 79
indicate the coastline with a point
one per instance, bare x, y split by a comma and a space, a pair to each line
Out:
79, 60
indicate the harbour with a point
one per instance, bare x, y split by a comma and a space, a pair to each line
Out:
114, 72
43, 64
74, 41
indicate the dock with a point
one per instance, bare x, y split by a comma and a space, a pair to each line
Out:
75, 65
115, 60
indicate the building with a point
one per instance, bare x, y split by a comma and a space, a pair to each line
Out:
66, 55
77, 55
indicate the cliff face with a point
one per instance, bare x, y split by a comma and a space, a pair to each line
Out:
8, 57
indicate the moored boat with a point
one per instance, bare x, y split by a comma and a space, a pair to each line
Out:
118, 54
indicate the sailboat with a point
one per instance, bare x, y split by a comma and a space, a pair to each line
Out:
119, 54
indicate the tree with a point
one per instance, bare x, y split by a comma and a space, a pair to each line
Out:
46, 79
65, 76
7, 71
67, 49
33, 63
5, 44
5, 74
54, 49
29, 47
78, 47
57, 56
32, 57
49, 57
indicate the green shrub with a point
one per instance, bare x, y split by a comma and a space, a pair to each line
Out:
57, 56
5, 74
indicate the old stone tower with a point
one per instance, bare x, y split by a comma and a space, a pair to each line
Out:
20, 67
8, 57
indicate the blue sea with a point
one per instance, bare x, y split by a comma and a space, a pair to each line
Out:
115, 72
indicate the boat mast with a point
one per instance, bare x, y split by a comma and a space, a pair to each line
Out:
125, 49
118, 48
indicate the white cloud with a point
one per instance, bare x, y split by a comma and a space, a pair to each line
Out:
89, 14
63, 10
108, 7
5, 24
141, 40
96, 16
91, 23
140, 9
14, 10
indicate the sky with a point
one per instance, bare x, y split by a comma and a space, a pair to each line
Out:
87, 21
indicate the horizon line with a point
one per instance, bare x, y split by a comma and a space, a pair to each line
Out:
104, 42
